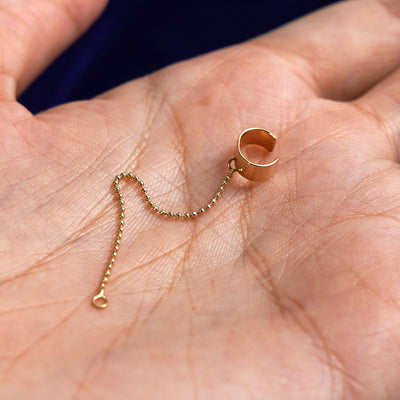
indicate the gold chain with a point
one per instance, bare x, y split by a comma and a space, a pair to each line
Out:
100, 300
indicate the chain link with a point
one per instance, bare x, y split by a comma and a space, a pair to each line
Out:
100, 300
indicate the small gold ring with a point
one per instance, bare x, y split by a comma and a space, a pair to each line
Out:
251, 170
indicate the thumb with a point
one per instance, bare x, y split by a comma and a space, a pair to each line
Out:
34, 32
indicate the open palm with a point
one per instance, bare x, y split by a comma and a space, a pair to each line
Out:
286, 289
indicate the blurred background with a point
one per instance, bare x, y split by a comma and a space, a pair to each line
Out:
135, 37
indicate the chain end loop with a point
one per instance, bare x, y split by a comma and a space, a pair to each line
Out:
100, 300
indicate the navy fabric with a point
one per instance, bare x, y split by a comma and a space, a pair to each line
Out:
135, 37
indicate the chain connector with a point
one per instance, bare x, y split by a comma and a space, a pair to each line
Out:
233, 170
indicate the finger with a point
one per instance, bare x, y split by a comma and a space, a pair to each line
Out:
34, 32
381, 105
342, 50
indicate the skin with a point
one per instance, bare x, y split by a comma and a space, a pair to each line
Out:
286, 289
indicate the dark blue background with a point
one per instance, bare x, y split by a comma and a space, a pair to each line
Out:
135, 37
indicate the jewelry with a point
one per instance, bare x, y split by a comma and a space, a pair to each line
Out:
248, 169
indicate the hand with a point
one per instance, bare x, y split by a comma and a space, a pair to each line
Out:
287, 289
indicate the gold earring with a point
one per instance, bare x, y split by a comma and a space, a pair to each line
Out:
248, 169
